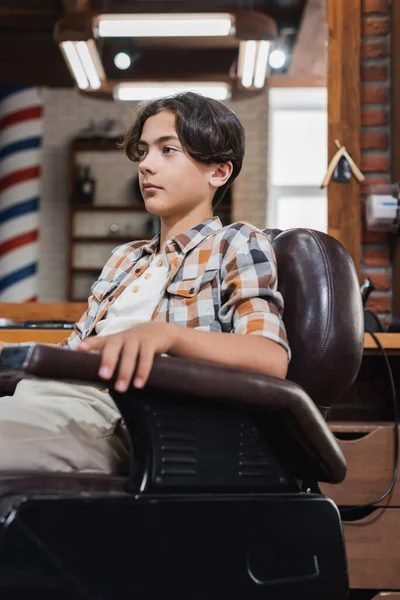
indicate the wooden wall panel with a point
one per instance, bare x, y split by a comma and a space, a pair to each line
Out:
344, 35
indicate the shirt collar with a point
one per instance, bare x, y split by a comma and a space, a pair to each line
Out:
152, 246
187, 240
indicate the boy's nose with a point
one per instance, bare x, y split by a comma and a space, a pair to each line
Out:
147, 165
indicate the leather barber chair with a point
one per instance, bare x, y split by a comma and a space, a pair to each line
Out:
222, 499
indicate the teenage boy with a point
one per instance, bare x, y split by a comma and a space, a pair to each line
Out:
183, 293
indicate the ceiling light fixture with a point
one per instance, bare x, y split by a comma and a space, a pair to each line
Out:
122, 61
148, 90
253, 63
249, 30
165, 25
261, 67
87, 53
84, 63
277, 59
74, 64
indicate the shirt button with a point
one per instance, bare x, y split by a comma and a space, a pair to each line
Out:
110, 298
191, 291
135, 289
138, 270
160, 263
147, 276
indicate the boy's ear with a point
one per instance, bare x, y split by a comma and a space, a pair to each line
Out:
220, 174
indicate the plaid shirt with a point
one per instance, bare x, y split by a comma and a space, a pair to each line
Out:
220, 279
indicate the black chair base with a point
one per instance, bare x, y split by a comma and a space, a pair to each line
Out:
209, 547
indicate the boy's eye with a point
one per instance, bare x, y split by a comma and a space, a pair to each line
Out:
141, 152
168, 150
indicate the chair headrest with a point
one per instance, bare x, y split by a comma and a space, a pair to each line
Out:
323, 312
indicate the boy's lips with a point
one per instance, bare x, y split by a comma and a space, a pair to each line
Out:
150, 186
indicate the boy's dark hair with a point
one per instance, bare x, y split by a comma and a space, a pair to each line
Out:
208, 130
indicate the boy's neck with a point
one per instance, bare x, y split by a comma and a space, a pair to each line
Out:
171, 228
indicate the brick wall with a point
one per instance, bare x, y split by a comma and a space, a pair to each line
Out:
375, 142
249, 193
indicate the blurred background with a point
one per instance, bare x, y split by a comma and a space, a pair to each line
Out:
71, 75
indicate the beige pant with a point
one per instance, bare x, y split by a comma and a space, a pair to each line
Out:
55, 426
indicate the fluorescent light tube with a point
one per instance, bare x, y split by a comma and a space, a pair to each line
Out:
253, 62
75, 64
149, 91
88, 65
166, 25
249, 63
261, 63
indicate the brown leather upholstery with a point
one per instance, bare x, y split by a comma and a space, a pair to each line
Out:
220, 384
323, 312
272, 233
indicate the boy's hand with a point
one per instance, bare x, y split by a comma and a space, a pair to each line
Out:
135, 346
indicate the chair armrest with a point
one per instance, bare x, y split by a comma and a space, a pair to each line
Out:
198, 382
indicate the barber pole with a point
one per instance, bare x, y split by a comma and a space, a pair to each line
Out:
21, 127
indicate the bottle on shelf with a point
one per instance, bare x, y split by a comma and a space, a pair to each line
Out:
84, 188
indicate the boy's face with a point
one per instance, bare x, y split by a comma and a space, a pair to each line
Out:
181, 184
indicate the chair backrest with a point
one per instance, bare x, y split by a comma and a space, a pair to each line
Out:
323, 312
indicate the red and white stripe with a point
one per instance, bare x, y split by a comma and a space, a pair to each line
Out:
21, 129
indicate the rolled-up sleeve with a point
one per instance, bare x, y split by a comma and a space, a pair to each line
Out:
251, 303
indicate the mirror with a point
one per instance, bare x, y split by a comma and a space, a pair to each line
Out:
297, 158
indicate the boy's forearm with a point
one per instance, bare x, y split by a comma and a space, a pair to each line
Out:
237, 350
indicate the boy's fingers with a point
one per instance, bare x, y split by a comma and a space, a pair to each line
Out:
145, 364
109, 357
127, 366
95, 343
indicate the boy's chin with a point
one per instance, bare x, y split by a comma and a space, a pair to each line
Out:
158, 208
157, 211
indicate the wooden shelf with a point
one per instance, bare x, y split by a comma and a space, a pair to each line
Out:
99, 145
41, 336
390, 341
107, 208
109, 239
85, 270
126, 208
40, 311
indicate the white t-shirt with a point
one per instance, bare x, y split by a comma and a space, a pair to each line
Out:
138, 301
